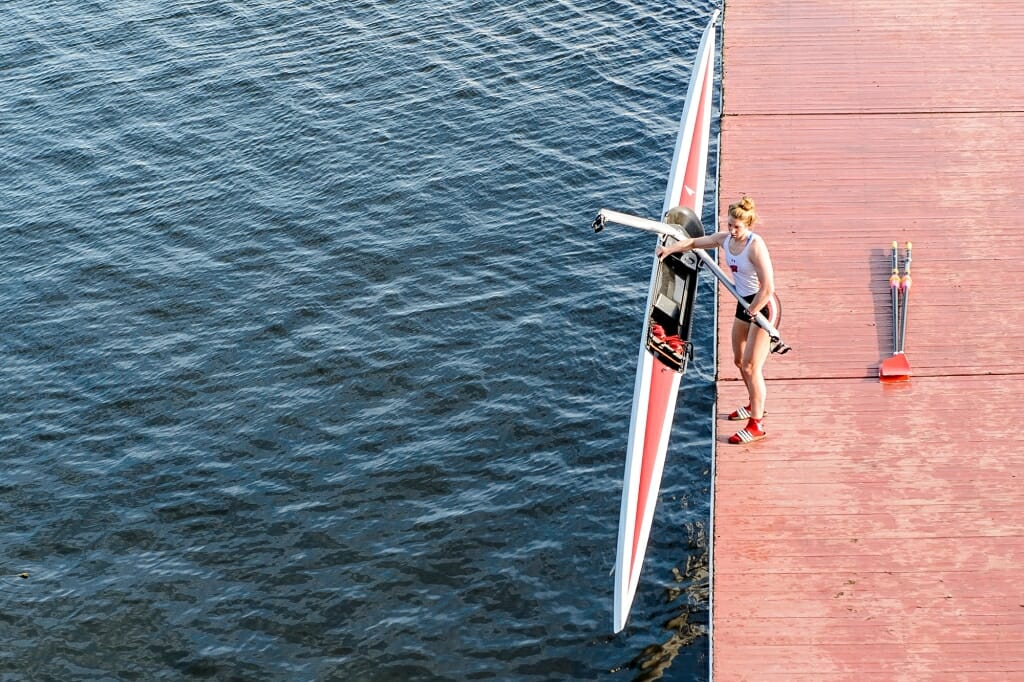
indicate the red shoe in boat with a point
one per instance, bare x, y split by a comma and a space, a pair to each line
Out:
753, 431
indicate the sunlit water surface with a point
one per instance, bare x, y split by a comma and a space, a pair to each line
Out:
312, 368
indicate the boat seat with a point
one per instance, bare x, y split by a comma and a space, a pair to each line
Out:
667, 307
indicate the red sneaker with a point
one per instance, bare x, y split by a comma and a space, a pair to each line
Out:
753, 431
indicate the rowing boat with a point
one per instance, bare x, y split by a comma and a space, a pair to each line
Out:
665, 340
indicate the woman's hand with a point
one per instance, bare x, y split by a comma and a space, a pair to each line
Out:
676, 247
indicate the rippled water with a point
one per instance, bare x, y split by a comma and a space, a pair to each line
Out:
312, 368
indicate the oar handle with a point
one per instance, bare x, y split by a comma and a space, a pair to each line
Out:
605, 216
906, 268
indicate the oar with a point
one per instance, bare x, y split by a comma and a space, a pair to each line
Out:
897, 367
905, 291
894, 292
605, 215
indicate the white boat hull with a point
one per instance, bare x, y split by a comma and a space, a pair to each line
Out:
659, 373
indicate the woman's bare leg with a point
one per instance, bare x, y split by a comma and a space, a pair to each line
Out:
740, 332
755, 353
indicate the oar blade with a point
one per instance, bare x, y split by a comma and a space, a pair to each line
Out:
895, 368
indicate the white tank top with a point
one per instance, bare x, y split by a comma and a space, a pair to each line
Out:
744, 276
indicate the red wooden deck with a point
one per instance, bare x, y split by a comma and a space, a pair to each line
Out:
878, 533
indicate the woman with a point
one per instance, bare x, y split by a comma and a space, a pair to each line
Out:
747, 257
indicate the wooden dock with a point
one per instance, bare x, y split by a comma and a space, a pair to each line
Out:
878, 533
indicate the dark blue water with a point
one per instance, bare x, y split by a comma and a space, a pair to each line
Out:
312, 368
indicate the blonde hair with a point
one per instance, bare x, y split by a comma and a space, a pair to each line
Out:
743, 211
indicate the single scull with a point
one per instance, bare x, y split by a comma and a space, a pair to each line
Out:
665, 340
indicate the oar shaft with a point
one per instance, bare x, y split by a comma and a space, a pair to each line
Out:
639, 223
758, 318
905, 292
671, 231
894, 290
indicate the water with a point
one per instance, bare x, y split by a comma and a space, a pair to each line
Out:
312, 368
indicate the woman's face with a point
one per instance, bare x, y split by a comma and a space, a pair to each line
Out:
736, 228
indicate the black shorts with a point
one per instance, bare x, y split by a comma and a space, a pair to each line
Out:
772, 311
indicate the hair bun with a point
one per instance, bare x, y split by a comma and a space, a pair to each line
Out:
743, 211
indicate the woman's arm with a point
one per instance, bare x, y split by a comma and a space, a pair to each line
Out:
762, 262
710, 241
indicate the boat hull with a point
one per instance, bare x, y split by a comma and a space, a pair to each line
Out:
664, 347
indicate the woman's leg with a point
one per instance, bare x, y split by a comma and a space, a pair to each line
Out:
740, 332
755, 352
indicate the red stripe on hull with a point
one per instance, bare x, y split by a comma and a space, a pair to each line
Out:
693, 164
657, 412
